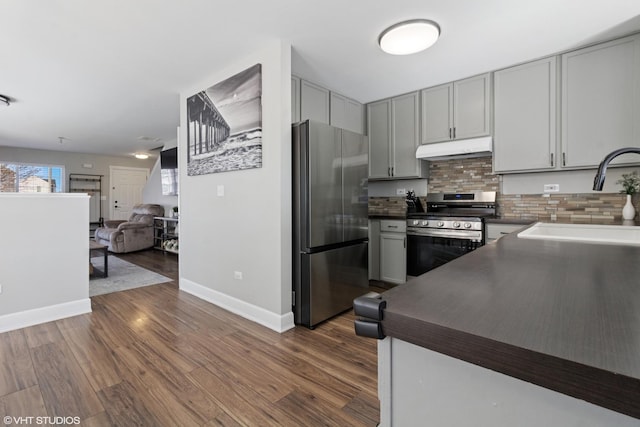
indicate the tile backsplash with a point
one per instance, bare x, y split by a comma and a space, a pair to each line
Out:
563, 207
462, 175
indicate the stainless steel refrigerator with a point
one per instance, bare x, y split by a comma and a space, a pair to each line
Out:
330, 169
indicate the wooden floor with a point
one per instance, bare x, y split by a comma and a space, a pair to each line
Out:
160, 357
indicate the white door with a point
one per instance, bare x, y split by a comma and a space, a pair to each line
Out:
126, 190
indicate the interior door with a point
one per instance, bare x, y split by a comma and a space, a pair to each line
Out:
126, 190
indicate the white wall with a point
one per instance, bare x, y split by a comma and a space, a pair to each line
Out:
580, 181
44, 256
152, 192
391, 188
249, 229
73, 163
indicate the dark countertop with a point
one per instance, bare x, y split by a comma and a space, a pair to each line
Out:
563, 315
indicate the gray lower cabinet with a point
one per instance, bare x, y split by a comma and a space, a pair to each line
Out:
525, 99
458, 110
393, 251
374, 249
393, 128
600, 101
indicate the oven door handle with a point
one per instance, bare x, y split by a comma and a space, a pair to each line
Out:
452, 234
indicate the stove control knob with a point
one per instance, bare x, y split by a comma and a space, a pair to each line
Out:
456, 225
467, 225
425, 223
415, 222
440, 224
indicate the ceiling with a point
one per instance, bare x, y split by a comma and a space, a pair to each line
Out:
106, 75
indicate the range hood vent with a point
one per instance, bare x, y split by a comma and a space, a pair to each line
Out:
464, 148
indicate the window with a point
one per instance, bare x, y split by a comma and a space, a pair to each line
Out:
31, 178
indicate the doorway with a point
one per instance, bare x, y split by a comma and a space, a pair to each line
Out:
125, 190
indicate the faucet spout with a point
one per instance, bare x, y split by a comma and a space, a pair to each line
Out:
598, 181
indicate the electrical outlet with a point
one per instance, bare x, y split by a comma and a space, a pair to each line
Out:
551, 188
401, 192
237, 275
220, 190
0, 289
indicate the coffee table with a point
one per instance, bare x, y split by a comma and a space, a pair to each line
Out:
97, 247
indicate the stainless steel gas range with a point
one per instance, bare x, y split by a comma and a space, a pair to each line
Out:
453, 225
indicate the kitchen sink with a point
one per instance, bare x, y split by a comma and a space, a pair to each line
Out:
587, 233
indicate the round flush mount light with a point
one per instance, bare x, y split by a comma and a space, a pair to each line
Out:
409, 37
141, 156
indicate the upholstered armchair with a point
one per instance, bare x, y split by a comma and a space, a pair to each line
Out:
132, 235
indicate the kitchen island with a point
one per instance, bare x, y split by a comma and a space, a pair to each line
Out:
514, 332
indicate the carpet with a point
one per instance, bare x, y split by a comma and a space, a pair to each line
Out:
122, 276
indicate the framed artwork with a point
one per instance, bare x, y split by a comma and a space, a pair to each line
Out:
224, 125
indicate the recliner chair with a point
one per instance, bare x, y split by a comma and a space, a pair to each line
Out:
132, 235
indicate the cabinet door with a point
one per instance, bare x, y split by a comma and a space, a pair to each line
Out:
379, 131
600, 101
338, 111
437, 113
472, 107
525, 117
393, 257
295, 99
404, 136
346, 113
374, 249
314, 102
354, 116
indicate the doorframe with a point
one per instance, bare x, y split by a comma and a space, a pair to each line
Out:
111, 170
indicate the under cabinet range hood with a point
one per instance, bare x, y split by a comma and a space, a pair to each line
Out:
464, 148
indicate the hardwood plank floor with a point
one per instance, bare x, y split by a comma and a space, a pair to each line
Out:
155, 356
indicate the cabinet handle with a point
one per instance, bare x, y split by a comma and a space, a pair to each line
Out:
388, 171
551, 159
564, 159
404, 242
392, 171
454, 133
450, 133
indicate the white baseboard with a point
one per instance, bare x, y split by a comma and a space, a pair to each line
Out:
276, 322
23, 319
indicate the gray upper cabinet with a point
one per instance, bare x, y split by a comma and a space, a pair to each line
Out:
314, 102
295, 99
600, 101
405, 134
346, 113
437, 114
393, 129
457, 110
379, 132
524, 134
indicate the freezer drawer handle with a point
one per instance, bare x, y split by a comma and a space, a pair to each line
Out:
369, 329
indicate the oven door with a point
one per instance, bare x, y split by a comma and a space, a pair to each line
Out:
426, 252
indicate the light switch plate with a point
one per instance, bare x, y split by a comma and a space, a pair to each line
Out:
220, 190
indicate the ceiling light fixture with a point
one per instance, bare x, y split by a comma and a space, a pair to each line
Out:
409, 37
141, 156
5, 100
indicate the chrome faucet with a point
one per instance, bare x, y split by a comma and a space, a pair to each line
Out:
598, 181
